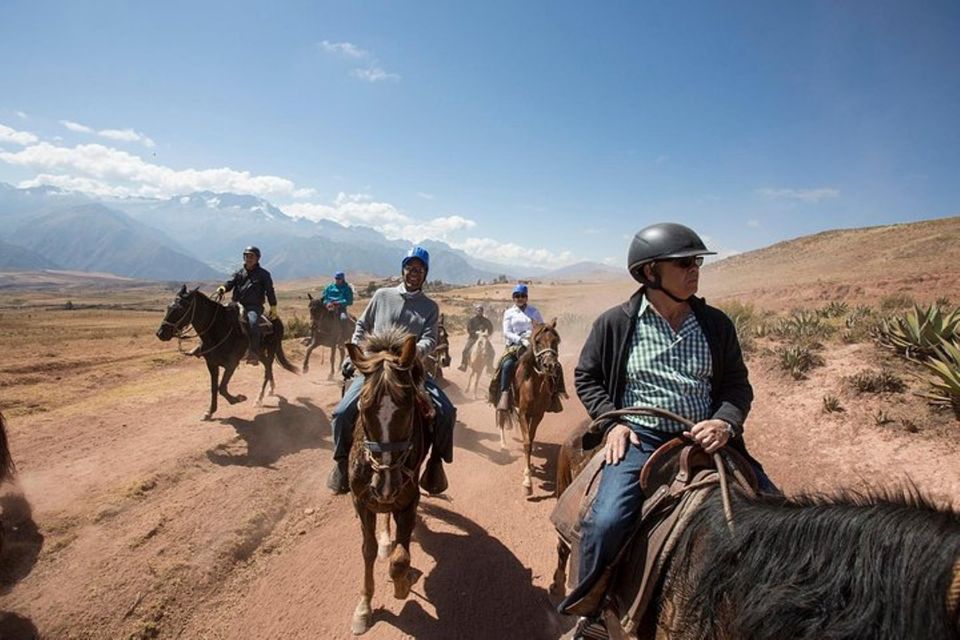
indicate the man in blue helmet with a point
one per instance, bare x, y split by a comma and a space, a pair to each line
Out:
664, 347
406, 306
518, 322
338, 295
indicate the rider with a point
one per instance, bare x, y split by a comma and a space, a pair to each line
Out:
250, 285
409, 307
338, 295
666, 348
475, 325
517, 330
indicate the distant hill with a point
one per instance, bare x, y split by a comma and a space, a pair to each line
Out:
94, 238
919, 258
586, 271
15, 258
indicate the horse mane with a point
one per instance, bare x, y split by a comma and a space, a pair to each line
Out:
851, 565
382, 349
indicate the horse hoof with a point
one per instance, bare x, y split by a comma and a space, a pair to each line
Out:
240, 398
360, 624
208, 416
527, 490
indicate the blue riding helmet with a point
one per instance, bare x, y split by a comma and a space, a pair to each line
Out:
519, 290
418, 253
338, 275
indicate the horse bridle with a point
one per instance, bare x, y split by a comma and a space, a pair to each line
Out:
179, 331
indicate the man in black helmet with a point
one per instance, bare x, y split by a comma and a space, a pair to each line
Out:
251, 285
667, 348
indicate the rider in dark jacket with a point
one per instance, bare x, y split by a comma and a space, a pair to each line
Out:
250, 286
475, 325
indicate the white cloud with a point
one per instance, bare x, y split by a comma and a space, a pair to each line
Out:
21, 114
435, 229
8, 134
97, 167
89, 186
76, 126
511, 253
753, 224
803, 195
374, 74
426, 196
347, 49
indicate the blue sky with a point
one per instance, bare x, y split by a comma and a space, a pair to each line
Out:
522, 131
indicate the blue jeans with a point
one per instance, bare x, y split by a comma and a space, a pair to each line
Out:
507, 368
253, 327
440, 432
614, 513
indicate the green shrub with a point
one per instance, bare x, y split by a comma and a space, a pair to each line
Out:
802, 326
944, 376
798, 360
868, 381
296, 327
917, 333
836, 309
831, 404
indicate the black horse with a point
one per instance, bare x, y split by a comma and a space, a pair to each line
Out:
327, 329
7, 467
222, 341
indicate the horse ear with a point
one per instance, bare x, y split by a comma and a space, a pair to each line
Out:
408, 351
183, 290
195, 289
310, 296
553, 323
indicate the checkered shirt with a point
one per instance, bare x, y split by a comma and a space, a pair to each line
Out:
668, 369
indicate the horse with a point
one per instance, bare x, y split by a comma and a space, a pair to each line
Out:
440, 358
389, 447
854, 565
477, 360
7, 468
327, 329
222, 342
535, 382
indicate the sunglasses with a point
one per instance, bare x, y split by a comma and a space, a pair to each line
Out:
519, 296
686, 263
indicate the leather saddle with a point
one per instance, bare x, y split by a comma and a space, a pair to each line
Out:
266, 326
675, 481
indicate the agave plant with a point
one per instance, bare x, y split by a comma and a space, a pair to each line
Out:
799, 359
920, 332
835, 309
802, 325
944, 366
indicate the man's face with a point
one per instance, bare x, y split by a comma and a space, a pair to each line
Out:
680, 277
339, 280
250, 260
414, 274
479, 312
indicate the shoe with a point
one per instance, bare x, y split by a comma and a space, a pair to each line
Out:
337, 481
504, 402
555, 406
434, 479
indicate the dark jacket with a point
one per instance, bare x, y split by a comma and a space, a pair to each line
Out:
601, 373
476, 323
251, 287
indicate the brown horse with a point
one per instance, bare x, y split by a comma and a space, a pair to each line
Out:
389, 447
857, 565
536, 384
222, 342
327, 329
440, 358
477, 360
7, 468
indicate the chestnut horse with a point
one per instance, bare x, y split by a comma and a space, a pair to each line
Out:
389, 446
855, 565
327, 329
535, 381
222, 342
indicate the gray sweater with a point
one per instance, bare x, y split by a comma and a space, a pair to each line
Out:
394, 306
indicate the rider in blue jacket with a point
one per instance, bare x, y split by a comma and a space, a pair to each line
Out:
338, 295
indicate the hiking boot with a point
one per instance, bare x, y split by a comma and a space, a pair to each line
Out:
338, 480
434, 479
590, 629
504, 403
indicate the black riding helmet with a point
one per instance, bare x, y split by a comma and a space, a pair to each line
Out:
662, 241
255, 251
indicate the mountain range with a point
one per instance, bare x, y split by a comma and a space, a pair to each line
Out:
200, 236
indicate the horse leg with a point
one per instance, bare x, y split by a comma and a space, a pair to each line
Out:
525, 434
559, 586
362, 615
333, 361
267, 378
214, 386
384, 536
228, 371
306, 356
401, 574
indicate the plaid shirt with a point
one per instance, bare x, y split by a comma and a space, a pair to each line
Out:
667, 369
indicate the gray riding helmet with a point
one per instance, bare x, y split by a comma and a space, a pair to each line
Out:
663, 241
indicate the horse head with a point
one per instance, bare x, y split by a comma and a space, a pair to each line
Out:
545, 346
179, 313
388, 410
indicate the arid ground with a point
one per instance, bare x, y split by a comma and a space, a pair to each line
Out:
132, 518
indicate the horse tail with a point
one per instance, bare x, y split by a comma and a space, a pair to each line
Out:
281, 356
7, 468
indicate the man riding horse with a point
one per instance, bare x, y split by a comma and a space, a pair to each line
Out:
408, 307
251, 285
666, 348
518, 323
338, 295
475, 325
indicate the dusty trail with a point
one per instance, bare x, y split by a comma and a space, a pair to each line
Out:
147, 522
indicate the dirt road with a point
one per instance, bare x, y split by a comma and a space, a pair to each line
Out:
133, 518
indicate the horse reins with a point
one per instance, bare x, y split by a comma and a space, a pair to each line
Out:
718, 458
953, 595
180, 331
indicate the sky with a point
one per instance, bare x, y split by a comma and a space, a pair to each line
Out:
522, 132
